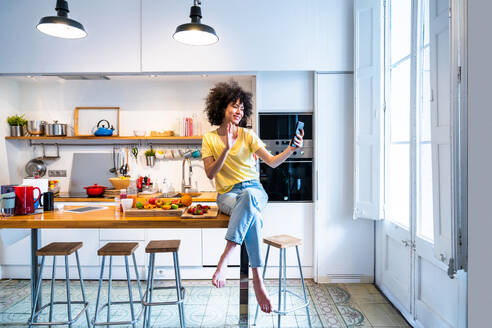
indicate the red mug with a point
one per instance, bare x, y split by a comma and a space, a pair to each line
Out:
24, 199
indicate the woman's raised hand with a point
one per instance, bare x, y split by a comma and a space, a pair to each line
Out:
231, 135
298, 141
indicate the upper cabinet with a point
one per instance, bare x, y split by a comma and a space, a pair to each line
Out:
112, 44
254, 35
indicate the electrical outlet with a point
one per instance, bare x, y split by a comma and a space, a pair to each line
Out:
159, 273
57, 173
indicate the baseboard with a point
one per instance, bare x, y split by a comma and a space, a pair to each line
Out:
346, 278
118, 272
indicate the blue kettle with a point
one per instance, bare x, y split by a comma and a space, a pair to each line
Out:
102, 130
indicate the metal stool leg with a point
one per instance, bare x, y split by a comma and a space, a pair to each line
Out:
138, 278
280, 287
69, 305
178, 289
285, 280
108, 316
152, 258
38, 288
132, 310
99, 290
303, 287
264, 272
82, 288
149, 270
52, 290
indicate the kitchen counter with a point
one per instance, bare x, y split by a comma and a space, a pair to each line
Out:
206, 196
106, 218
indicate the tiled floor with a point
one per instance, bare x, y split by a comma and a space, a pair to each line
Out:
331, 305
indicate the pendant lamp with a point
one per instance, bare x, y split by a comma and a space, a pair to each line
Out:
61, 26
195, 33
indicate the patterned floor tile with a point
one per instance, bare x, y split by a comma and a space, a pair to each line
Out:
332, 305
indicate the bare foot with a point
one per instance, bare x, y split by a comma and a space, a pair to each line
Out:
262, 295
218, 279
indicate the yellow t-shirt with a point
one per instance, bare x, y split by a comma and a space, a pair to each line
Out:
240, 164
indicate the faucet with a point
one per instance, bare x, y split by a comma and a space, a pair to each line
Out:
186, 187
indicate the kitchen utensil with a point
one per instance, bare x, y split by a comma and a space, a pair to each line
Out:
95, 190
48, 201
168, 154
24, 199
135, 151
35, 168
56, 129
51, 157
102, 130
139, 133
113, 169
35, 127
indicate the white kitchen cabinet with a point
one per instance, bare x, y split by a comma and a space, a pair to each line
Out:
122, 234
88, 252
253, 36
112, 44
190, 249
290, 91
213, 246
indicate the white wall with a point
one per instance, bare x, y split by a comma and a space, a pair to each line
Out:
146, 103
479, 163
345, 247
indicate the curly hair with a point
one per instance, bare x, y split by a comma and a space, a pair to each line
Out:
220, 96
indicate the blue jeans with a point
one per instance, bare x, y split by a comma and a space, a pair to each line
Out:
244, 204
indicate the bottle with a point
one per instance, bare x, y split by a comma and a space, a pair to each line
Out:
123, 195
165, 188
131, 191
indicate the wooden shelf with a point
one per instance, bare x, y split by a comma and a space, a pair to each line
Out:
105, 138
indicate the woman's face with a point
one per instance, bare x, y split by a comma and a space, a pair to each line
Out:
234, 112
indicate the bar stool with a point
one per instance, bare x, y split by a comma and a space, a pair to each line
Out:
163, 246
59, 249
118, 249
283, 242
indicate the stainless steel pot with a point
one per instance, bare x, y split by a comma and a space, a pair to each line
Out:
16, 131
56, 129
35, 127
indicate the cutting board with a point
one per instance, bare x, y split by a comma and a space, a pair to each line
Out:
155, 212
213, 211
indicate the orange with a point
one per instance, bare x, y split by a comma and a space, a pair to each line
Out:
186, 200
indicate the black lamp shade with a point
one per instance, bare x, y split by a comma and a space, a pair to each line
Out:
195, 34
61, 27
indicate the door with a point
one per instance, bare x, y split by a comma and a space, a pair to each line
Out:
396, 230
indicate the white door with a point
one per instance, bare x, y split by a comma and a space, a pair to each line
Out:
395, 232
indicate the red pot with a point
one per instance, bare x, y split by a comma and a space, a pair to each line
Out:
95, 190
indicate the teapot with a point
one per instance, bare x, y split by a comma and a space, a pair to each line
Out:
102, 130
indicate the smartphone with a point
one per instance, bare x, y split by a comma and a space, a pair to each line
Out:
299, 127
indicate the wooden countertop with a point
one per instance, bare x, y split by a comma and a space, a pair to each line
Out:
105, 218
206, 196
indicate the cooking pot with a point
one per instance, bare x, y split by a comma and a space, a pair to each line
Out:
95, 190
55, 129
102, 130
35, 127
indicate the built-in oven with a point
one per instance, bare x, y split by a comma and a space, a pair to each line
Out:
293, 179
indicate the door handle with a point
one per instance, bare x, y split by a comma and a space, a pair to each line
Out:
406, 243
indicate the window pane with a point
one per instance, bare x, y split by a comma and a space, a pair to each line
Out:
398, 182
425, 225
399, 98
400, 29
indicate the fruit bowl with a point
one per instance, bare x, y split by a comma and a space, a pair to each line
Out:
119, 183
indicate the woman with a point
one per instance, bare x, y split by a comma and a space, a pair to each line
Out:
229, 157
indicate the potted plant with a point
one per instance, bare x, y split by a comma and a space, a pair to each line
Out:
16, 123
150, 157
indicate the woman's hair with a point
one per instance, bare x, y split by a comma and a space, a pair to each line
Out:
220, 96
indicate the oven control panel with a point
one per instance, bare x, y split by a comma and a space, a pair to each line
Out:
275, 147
